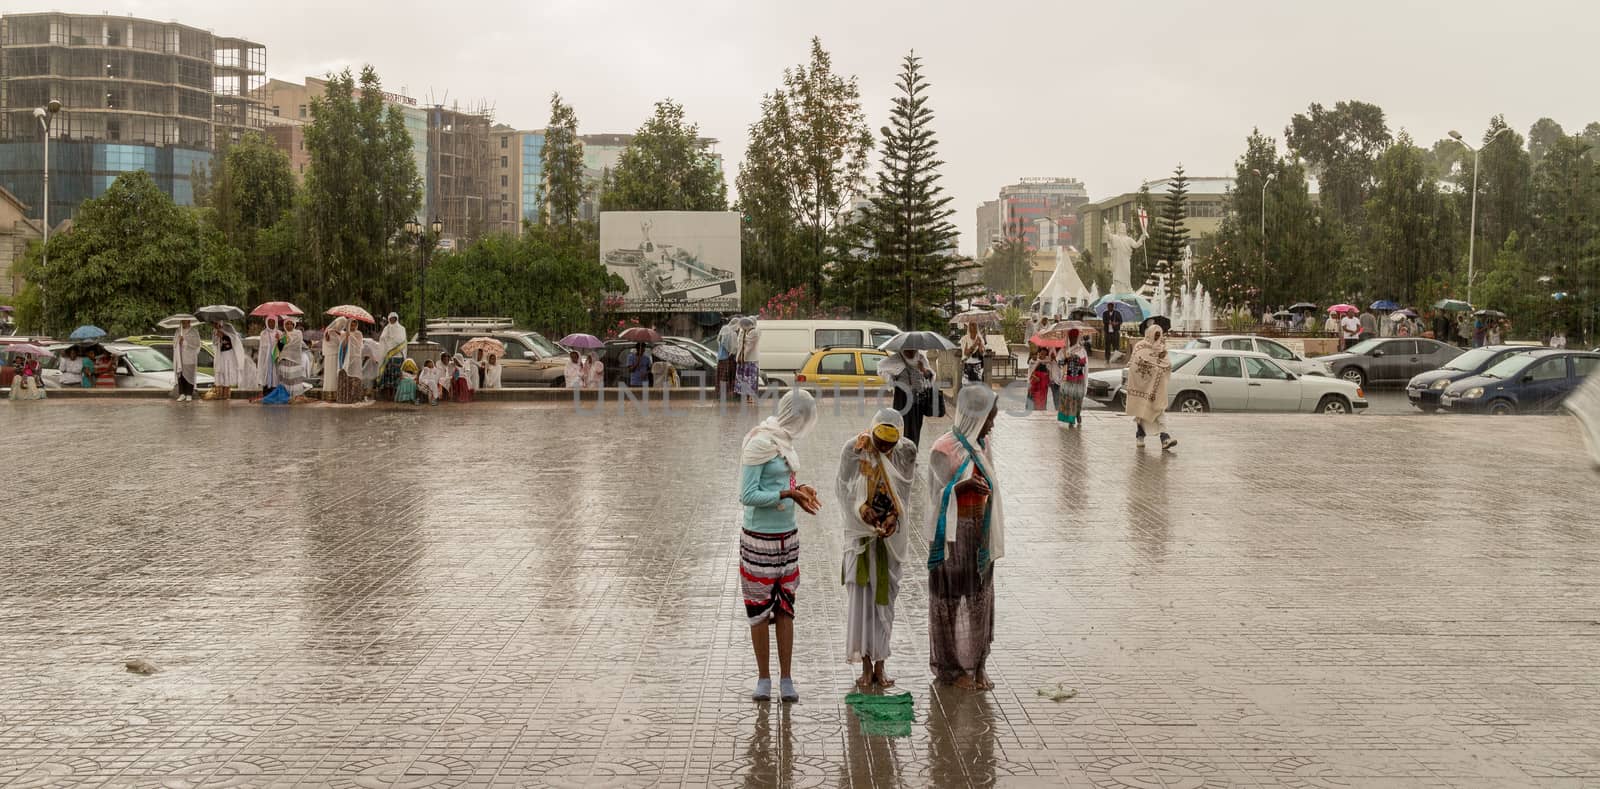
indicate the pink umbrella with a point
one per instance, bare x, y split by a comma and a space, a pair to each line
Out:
1340, 308
25, 348
276, 309
582, 342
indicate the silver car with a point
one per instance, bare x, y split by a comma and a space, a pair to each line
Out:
1222, 380
1280, 353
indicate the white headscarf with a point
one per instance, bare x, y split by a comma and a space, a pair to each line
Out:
898, 464
392, 337
797, 414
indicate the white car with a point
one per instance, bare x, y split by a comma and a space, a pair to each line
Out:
138, 367
1227, 380
1289, 360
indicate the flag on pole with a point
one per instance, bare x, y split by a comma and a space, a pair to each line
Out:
1144, 221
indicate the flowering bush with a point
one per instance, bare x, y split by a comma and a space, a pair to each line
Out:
795, 304
616, 329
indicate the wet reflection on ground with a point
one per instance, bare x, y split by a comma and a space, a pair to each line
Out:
518, 596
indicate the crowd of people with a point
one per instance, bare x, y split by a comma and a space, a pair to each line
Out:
1463, 328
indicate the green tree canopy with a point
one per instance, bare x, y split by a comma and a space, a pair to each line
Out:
360, 189
1342, 146
807, 159
252, 200
1411, 227
666, 168
131, 258
547, 279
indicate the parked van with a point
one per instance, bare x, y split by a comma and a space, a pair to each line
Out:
786, 345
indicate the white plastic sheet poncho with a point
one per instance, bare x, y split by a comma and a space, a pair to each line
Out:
267, 355
186, 352
233, 367
291, 360
948, 458
898, 465
775, 436
392, 340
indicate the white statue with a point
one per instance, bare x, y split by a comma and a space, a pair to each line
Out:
1188, 266
1120, 246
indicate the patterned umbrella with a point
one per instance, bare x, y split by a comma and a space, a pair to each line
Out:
918, 341
486, 344
977, 317
85, 333
673, 355
1059, 331
352, 312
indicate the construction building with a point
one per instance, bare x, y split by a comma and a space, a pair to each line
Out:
136, 94
288, 112
462, 191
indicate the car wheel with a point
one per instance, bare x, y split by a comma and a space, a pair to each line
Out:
1120, 401
1502, 408
1191, 403
1333, 404
1354, 375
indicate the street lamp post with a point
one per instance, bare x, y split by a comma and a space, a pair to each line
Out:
1472, 224
423, 237
46, 116
1264, 181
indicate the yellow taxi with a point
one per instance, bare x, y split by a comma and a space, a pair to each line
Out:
842, 367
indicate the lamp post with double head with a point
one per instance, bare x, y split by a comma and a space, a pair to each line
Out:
424, 237
1472, 224
46, 116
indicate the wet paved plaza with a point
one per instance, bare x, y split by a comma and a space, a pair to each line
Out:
511, 595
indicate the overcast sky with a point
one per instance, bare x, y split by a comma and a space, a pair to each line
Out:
1113, 93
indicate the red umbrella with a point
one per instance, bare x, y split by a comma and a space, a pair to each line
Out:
352, 312
1342, 308
1048, 342
276, 309
640, 334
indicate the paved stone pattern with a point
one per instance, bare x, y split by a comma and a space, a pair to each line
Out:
512, 595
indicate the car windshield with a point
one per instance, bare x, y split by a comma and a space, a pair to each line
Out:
544, 346
147, 360
1471, 360
1365, 346
1179, 358
1508, 367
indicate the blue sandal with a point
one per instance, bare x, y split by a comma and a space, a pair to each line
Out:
763, 691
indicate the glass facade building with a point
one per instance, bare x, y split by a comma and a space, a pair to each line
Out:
136, 94
532, 174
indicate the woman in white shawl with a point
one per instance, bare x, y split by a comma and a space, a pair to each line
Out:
968, 537
747, 370
1146, 390
573, 374
392, 350
332, 344
594, 372
911, 375
232, 361
267, 356
874, 489
492, 368
769, 543
352, 365
292, 368
185, 355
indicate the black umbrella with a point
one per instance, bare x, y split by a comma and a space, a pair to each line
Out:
1304, 306
1160, 320
1489, 314
219, 312
917, 341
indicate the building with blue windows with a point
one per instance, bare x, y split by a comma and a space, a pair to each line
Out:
135, 94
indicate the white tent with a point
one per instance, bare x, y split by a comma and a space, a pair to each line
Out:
1064, 288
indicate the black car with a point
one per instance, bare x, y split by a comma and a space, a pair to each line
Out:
1527, 383
694, 366
1389, 359
1425, 388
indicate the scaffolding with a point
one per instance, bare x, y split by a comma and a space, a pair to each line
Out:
460, 188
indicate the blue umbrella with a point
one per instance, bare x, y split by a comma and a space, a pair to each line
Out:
1128, 312
1384, 305
86, 333
1131, 306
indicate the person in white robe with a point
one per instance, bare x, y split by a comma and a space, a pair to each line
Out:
292, 367
352, 365
572, 374
185, 355
491, 371
267, 356
392, 354
231, 359
332, 339
874, 489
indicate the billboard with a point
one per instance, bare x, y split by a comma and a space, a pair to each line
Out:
673, 261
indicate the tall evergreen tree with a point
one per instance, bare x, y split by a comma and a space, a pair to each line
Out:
1174, 236
911, 267
665, 168
564, 190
